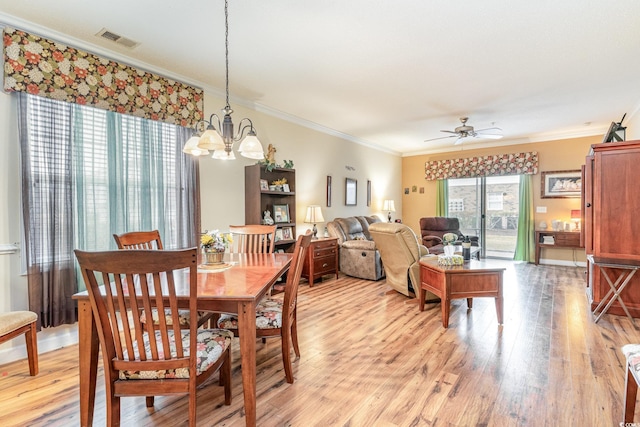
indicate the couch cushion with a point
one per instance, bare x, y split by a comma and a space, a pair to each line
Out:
351, 227
363, 244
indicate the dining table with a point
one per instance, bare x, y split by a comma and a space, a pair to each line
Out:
235, 286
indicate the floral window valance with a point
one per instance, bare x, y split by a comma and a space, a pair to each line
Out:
47, 68
494, 165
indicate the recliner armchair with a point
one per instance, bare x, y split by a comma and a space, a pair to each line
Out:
358, 254
400, 251
433, 228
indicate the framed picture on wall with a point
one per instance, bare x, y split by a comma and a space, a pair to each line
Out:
328, 191
561, 184
350, 192
368, 192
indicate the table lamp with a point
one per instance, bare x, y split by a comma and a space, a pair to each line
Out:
314, 215
576, 217
388, 205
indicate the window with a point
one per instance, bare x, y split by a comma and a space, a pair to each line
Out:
88, 174
456, 205
495, 201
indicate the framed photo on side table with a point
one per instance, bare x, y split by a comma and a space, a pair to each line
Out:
281, 213
561, 184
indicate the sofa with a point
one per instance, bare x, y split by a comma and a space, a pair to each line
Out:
433, 228
359, 256
401, 252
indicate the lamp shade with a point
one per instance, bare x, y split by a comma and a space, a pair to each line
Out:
575, 214
388, 205
191, 147
251, 147
223, 155
211, 140
314, 215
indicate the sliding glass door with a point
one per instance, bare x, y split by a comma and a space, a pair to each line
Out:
487, 207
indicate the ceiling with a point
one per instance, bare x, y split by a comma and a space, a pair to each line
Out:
383, 73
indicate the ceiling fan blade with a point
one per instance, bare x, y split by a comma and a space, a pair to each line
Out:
494, 130
442, 137
459, 141
488, 136
449, 131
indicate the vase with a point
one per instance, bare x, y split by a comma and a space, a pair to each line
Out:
212, 257
449, 250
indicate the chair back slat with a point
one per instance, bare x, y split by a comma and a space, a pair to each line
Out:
294, 274
252, 238
139, 240
137, 281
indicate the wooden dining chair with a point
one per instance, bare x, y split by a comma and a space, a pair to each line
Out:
278, 316
137, 240
252, 238
16, 323
167, 360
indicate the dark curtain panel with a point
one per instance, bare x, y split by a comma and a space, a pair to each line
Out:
48, 210
187, 169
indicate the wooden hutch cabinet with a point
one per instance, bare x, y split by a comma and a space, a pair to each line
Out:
257, 200
611, 207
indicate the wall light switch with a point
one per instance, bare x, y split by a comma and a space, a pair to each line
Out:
541, 209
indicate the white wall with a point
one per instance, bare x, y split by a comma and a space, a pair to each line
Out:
315, 155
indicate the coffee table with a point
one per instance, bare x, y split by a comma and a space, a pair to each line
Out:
474, 279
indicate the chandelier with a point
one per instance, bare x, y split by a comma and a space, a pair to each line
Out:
214, 135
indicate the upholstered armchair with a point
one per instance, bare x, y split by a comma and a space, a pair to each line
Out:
433, 228
400, 251
358, 254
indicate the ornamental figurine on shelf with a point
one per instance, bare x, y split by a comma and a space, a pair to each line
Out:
267, 220
213, 245
448, 241
269, 160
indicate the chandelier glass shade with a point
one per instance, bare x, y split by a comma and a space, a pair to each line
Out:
219, 137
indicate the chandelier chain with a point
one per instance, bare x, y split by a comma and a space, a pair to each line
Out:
226, 47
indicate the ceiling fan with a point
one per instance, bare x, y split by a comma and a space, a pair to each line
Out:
466, 131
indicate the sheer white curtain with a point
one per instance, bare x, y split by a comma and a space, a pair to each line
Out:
90, 173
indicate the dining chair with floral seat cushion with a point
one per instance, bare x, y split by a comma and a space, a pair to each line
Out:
150, 240
167, 360
277, 316
631, 353
16, 323
252, 238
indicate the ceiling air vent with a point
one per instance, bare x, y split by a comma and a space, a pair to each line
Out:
123, 41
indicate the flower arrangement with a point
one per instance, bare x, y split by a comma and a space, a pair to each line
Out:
280, 181
449, 239
214, 241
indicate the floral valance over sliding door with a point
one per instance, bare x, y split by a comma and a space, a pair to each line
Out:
493, 165
47, 68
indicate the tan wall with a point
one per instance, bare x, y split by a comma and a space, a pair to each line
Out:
566, 154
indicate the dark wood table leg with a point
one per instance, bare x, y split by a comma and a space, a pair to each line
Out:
469, 303
247, 328
88, 345
446, 308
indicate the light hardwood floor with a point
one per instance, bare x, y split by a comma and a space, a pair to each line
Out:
370, 358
